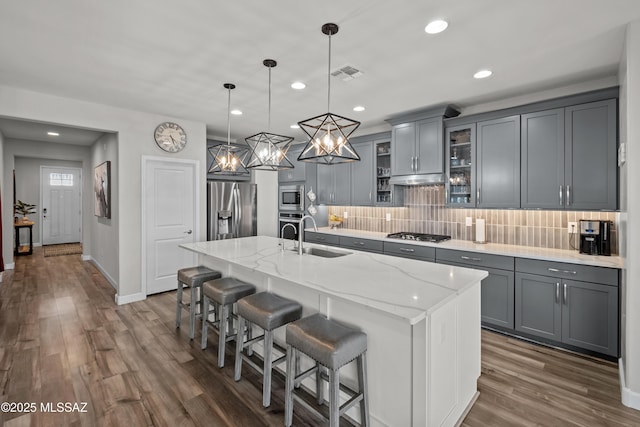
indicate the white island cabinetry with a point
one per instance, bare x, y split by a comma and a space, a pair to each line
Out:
422, 320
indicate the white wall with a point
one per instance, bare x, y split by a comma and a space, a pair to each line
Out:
135, 138
28, 186
104, 231
267, 186
630, 217
15, 148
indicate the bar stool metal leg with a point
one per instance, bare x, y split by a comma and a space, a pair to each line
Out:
237, 371
192, 311
179, 305
334, 397
205, 325
362, 380
268, 358
222, 334
288, 394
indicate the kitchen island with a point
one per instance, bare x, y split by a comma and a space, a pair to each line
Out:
422, 320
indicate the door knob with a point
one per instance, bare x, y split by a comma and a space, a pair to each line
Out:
188, 232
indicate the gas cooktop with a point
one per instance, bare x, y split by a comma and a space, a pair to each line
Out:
419, 237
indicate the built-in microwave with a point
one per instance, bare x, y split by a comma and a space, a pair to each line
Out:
291, 198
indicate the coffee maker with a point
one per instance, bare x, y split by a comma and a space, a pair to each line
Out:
595, 237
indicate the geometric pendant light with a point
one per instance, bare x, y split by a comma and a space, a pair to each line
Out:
229, 159
329, 133
268, 150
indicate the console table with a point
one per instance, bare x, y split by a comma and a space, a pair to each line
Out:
23, 250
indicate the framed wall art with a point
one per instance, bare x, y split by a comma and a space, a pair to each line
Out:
102, 189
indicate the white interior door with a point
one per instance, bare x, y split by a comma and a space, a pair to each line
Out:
61, 212
169, 220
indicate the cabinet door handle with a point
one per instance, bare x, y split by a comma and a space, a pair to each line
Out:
560, 195
358, 243
565, 293
468, 258
320, 238
417, 164
412, 163
557, 292
555, 270
478, 195
369, 195
407, 250
568, 202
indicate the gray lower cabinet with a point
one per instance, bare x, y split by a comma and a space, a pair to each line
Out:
422, 253
496, 290
366, 245
576, 313
333, 186
362, 176
498, 158
321, 238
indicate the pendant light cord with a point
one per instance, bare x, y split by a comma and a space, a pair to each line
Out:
269, 122
329, 76
229, 119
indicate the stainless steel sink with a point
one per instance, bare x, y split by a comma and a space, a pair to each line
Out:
324, 253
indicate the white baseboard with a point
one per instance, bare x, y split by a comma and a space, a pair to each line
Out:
126, 299
10, 266
110, 279
630, 398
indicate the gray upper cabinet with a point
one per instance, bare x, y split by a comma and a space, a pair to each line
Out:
460, 188
298, 171
362, 175
590, 155
569, 157
403, 148
333, 185
417, 147
498, 158
542, 146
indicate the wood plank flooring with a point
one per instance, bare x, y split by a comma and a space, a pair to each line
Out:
63, 339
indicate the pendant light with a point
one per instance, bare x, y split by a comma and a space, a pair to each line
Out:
268, 150
329, 133
228, 159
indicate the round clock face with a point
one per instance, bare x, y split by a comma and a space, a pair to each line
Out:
170, 137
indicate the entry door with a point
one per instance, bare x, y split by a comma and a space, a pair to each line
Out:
61, 211
169, 220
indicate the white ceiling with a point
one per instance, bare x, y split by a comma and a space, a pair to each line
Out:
36, 131
172, 57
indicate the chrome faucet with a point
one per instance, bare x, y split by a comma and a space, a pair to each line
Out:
282, 234
315, 228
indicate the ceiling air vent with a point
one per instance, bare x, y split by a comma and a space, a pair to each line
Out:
347, 73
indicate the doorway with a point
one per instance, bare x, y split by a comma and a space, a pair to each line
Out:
170, 197
61, 212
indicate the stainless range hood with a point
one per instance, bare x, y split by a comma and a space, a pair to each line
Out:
424, 179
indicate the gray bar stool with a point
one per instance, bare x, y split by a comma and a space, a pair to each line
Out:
268, 311
223, 293
332, 346
192, 277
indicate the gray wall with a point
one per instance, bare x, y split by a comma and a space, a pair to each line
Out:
28, 187
16, 149
104, 231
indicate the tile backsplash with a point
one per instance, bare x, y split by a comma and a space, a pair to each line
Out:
424, 211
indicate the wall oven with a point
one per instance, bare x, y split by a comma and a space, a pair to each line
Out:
292, 218
291, 198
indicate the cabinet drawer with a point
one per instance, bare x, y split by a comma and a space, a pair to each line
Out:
323, 239
361, 244
425, 253
475, 259
585, 273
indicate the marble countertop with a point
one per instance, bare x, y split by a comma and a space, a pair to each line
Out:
546, 254
405, 288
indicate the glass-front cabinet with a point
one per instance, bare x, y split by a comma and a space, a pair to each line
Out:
383, 190
460, 161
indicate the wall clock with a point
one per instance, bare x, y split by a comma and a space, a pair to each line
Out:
170, 137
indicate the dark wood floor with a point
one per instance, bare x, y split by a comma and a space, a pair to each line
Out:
62, 339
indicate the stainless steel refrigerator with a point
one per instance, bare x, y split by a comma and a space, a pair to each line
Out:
231, 210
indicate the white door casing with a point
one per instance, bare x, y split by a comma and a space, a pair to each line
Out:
170, 195
61, 207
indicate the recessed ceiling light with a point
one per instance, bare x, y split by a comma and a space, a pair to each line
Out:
295, 126
358, 108
53, 133
298, 85
236, 112
435, 27
482, 74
